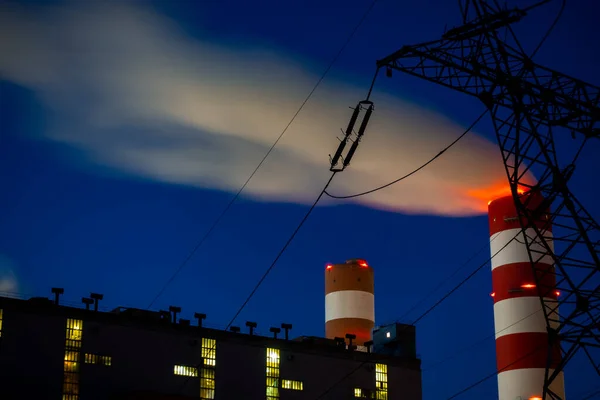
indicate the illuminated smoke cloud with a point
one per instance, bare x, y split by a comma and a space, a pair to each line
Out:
133, 93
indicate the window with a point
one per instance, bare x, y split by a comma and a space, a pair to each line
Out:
73, 338
209, 352
274, 383
98, 359
272, 374
360, 393
185, 370
292, 385
0, 322
381, 392
207, 372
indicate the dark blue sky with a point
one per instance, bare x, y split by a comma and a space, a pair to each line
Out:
64, 222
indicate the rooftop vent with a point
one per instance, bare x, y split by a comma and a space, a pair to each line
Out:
200, 317
57, 292
87, 302
251, 326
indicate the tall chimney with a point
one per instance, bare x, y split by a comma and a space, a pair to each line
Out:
520, 325
349, 300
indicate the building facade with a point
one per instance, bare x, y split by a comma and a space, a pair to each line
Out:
50, 351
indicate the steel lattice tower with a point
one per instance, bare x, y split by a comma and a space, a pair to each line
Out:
529, 105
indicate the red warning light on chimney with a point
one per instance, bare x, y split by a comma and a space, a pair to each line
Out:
528, 286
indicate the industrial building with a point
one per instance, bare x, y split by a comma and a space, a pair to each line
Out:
52, 351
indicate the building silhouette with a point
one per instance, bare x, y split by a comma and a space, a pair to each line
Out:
53, 351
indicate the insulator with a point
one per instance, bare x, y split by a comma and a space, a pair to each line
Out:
349, 129
361, 131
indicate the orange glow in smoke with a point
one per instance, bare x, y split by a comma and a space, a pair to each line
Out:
491, 193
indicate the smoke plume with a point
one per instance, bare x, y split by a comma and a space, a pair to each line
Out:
134, 93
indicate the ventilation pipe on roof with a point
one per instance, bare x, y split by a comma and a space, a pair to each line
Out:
57, 292
251, 326
286, 328
97, 297
87, 301
275, 331
350, 338
200, 317
174, 311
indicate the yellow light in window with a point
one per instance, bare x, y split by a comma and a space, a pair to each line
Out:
292, 385
381, 382
272, 373
207, 372
185, 370
273, 354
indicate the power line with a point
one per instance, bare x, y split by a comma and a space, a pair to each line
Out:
442, 282
416, 170
591, 395
550, 29
465, 280
485, 378
270, 268
429, 310
283, 249
237, 195
493, 335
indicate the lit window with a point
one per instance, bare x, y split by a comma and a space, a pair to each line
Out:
98, 359
381, 388
292, 385
0, 322
73, 338
207, 372
272, 374
387, 334
185, 370
362, 394
209, 351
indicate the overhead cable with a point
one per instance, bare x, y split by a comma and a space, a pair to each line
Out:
445, 280
415, 170
238, 193
592, 395
550, 29
485, 378
473, 345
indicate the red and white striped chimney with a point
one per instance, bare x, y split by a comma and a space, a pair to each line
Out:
520, 325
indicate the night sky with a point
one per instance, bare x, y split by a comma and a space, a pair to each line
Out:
71, 216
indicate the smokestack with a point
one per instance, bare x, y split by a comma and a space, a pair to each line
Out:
520, 325
349, 300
